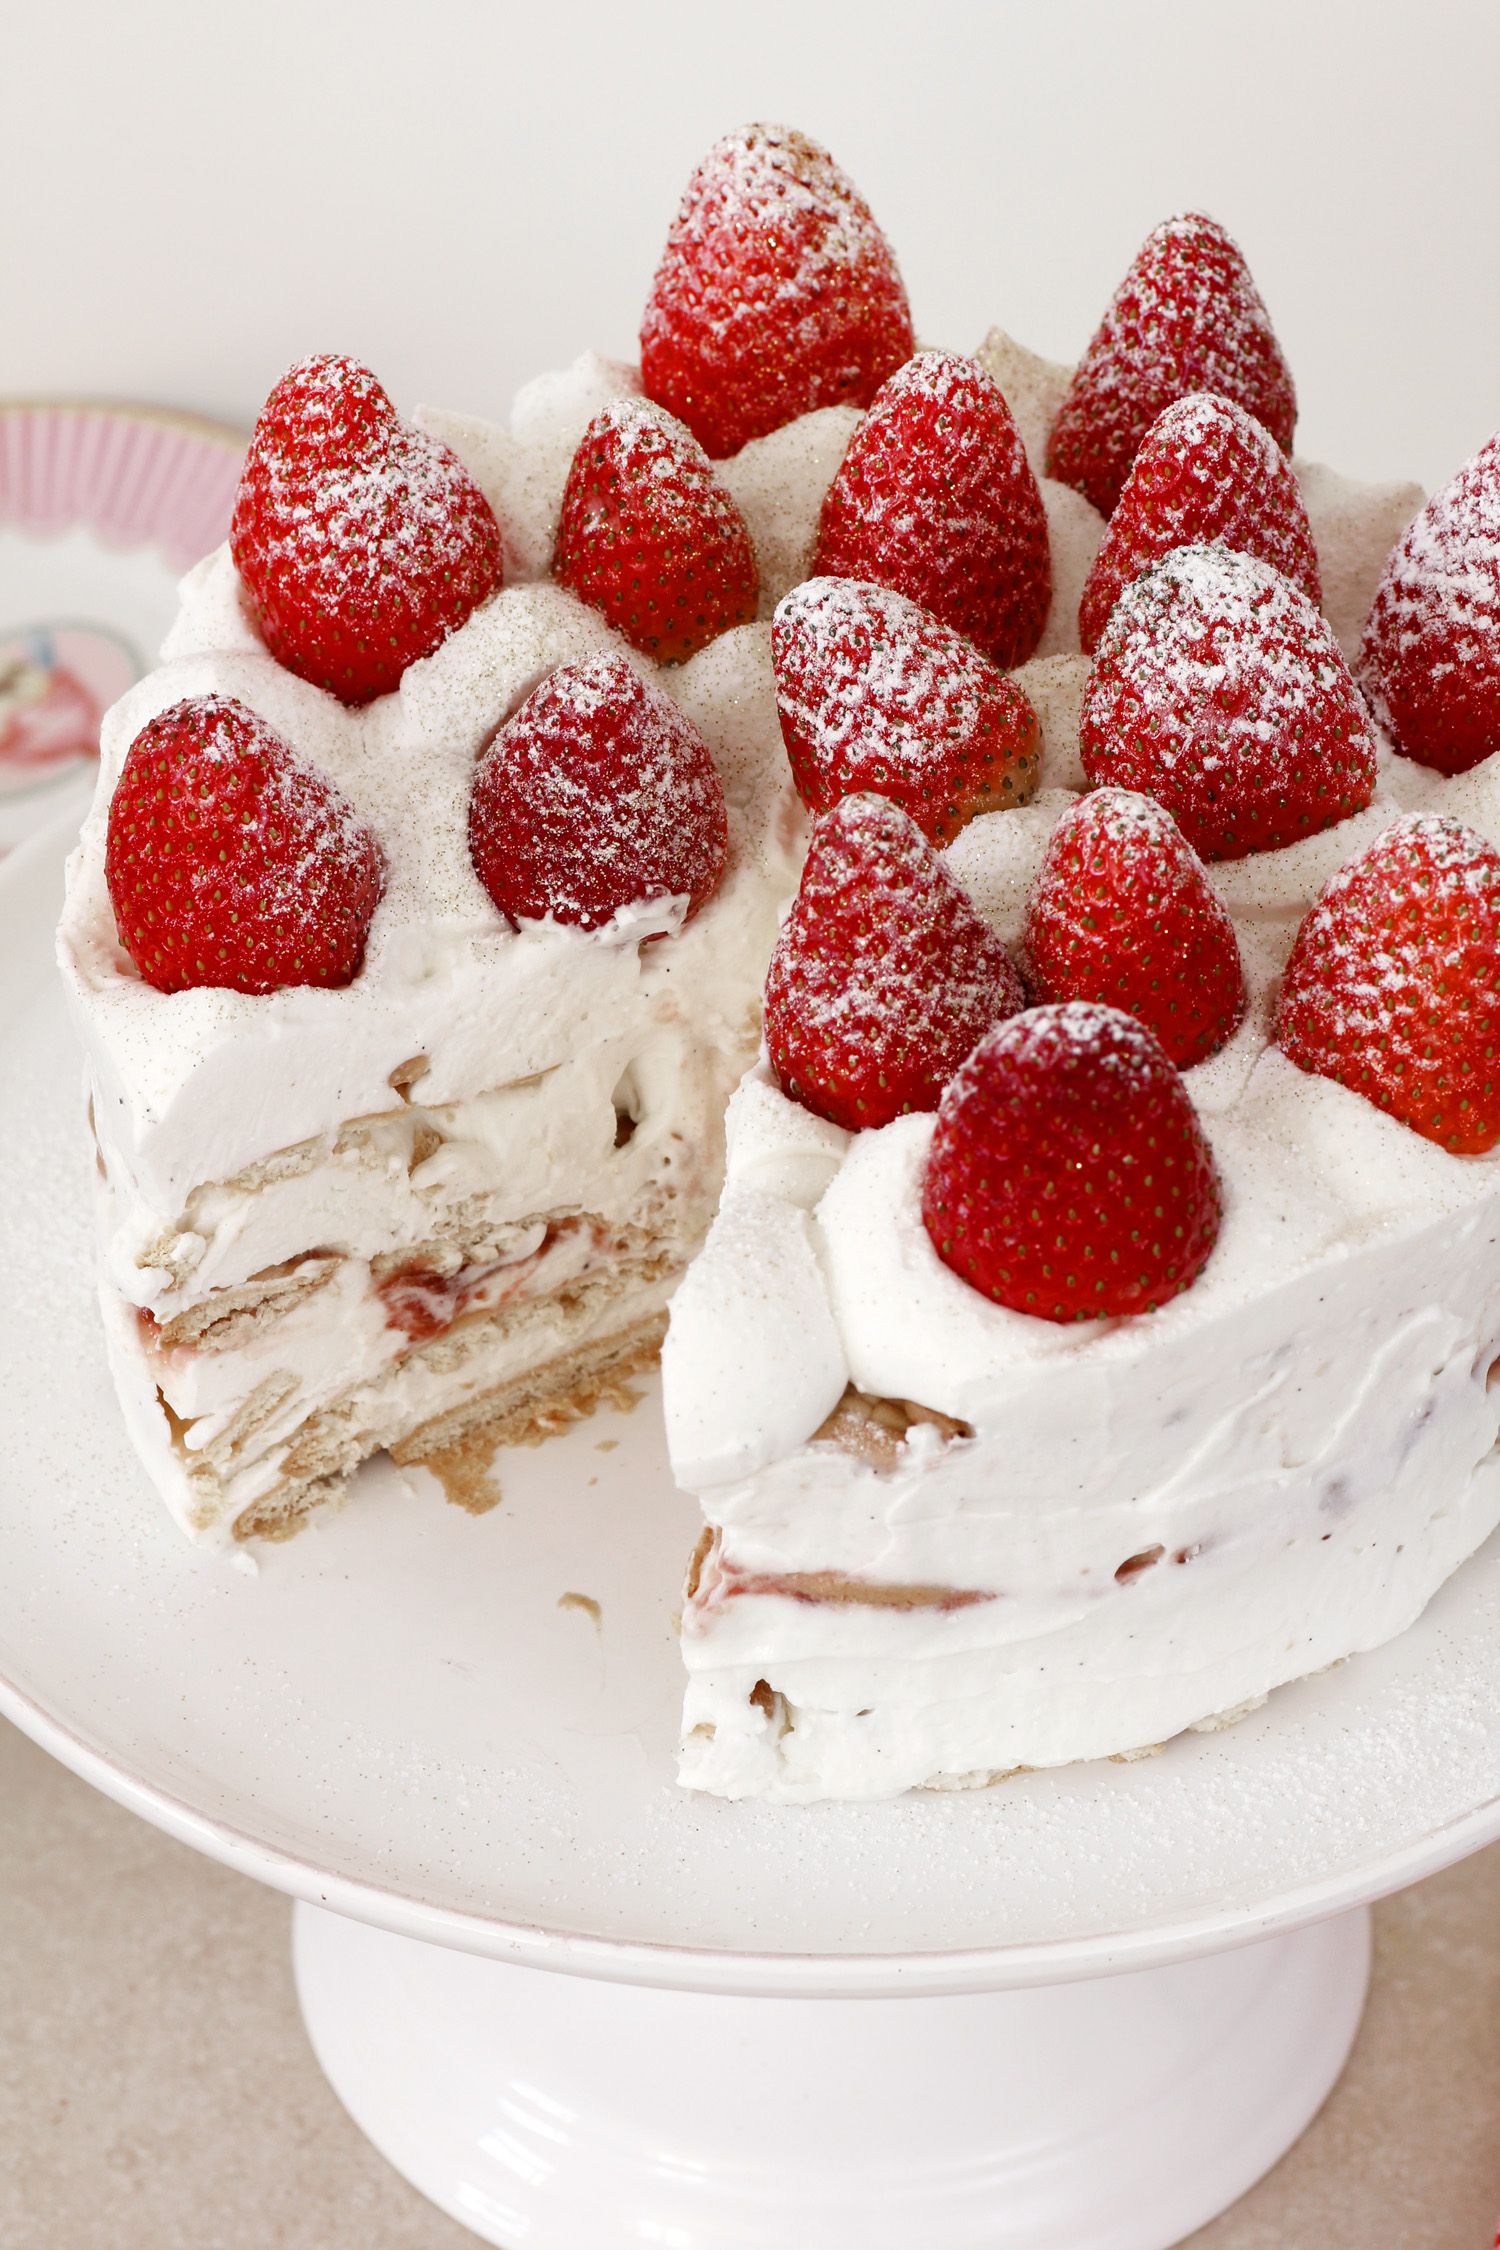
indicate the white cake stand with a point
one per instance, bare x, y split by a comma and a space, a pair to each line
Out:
581, 2009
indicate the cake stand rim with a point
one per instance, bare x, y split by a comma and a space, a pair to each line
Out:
662, 1965
655, 1964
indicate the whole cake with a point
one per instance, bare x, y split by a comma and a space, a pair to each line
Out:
1097, 1326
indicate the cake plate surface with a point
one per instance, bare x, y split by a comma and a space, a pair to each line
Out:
1081, 2009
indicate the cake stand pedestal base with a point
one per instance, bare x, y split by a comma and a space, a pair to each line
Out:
559, 2113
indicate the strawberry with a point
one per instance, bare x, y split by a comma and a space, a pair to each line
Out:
230, 862
361, 542
1069, 1175
884, 975
1430, 662
935, 498
650, 538
1187, 317
876, 694
776, 293
1122, 913
1393, 986
598, 794
1219, 690
1206, 471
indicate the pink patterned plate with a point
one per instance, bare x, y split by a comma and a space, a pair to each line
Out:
101, 510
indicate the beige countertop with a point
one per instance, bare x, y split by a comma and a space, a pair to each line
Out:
156, 2092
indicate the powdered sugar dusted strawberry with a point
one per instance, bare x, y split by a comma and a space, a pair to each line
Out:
362, 543
877, 694
650, 538
936, 499
1393, 986
1122, 913
598, 794
1219, 690
230, 862
1207, 471
1430, 662
776, 293
884, 976
1187, 317
1069, 1176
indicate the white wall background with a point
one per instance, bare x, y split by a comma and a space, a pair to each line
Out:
463, 192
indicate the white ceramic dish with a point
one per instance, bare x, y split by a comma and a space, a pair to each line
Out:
394, 1716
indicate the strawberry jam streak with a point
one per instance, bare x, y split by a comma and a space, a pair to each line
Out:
422, 1304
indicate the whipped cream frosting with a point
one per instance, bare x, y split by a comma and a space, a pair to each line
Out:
1121, 1528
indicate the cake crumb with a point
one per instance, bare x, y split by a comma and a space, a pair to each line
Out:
463, 1471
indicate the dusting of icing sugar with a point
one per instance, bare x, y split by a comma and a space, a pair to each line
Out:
874, 693
384, 489
1206, 472
1122, 912
1104, 1039
1393, 986
1430, 659
936, 499
777, 481
1218, 688
1129, 818
649, 536
651, 445
776, 292
1465, 860
877, 658
521, 465
599, 795
1069, 1178
884, 975
771, 180
1187, 317
362, 541
1136, 824
230, 862
1201, 415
